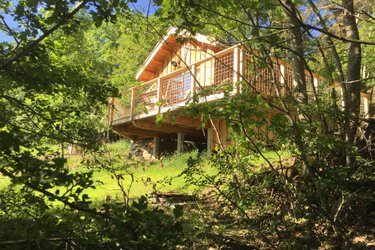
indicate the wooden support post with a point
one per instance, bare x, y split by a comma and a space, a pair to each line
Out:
180, 142
132, 113
132, 149
209, 141
159, 94
155, 149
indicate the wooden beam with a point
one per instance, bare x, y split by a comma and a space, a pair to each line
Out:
127, 131
163, 128
184, 121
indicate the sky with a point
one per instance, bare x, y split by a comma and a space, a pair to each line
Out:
141, 5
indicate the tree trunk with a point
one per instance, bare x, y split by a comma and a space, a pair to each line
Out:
297, 48
353, 84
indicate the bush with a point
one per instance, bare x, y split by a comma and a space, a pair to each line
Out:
25, 225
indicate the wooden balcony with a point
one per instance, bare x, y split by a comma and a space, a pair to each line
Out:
175, 90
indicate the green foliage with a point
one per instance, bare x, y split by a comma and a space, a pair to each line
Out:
32, 218
55, 80
286, 177
306, 197
26, 224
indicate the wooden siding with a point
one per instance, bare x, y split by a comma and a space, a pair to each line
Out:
185, 54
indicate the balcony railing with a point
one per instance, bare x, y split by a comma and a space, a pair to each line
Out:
178, 87
225, 67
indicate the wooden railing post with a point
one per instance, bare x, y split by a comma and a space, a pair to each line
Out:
159, 94
132, 109
193, 80
241, 68
235, 65
236, 68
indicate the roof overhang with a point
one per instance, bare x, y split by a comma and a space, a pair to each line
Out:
165, 46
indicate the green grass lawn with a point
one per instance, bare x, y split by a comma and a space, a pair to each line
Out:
147, 178
162, 176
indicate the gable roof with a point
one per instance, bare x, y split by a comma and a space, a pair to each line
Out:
164, 47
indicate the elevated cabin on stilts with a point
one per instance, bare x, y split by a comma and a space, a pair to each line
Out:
174, 72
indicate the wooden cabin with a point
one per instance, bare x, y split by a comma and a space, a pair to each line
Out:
174, 71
